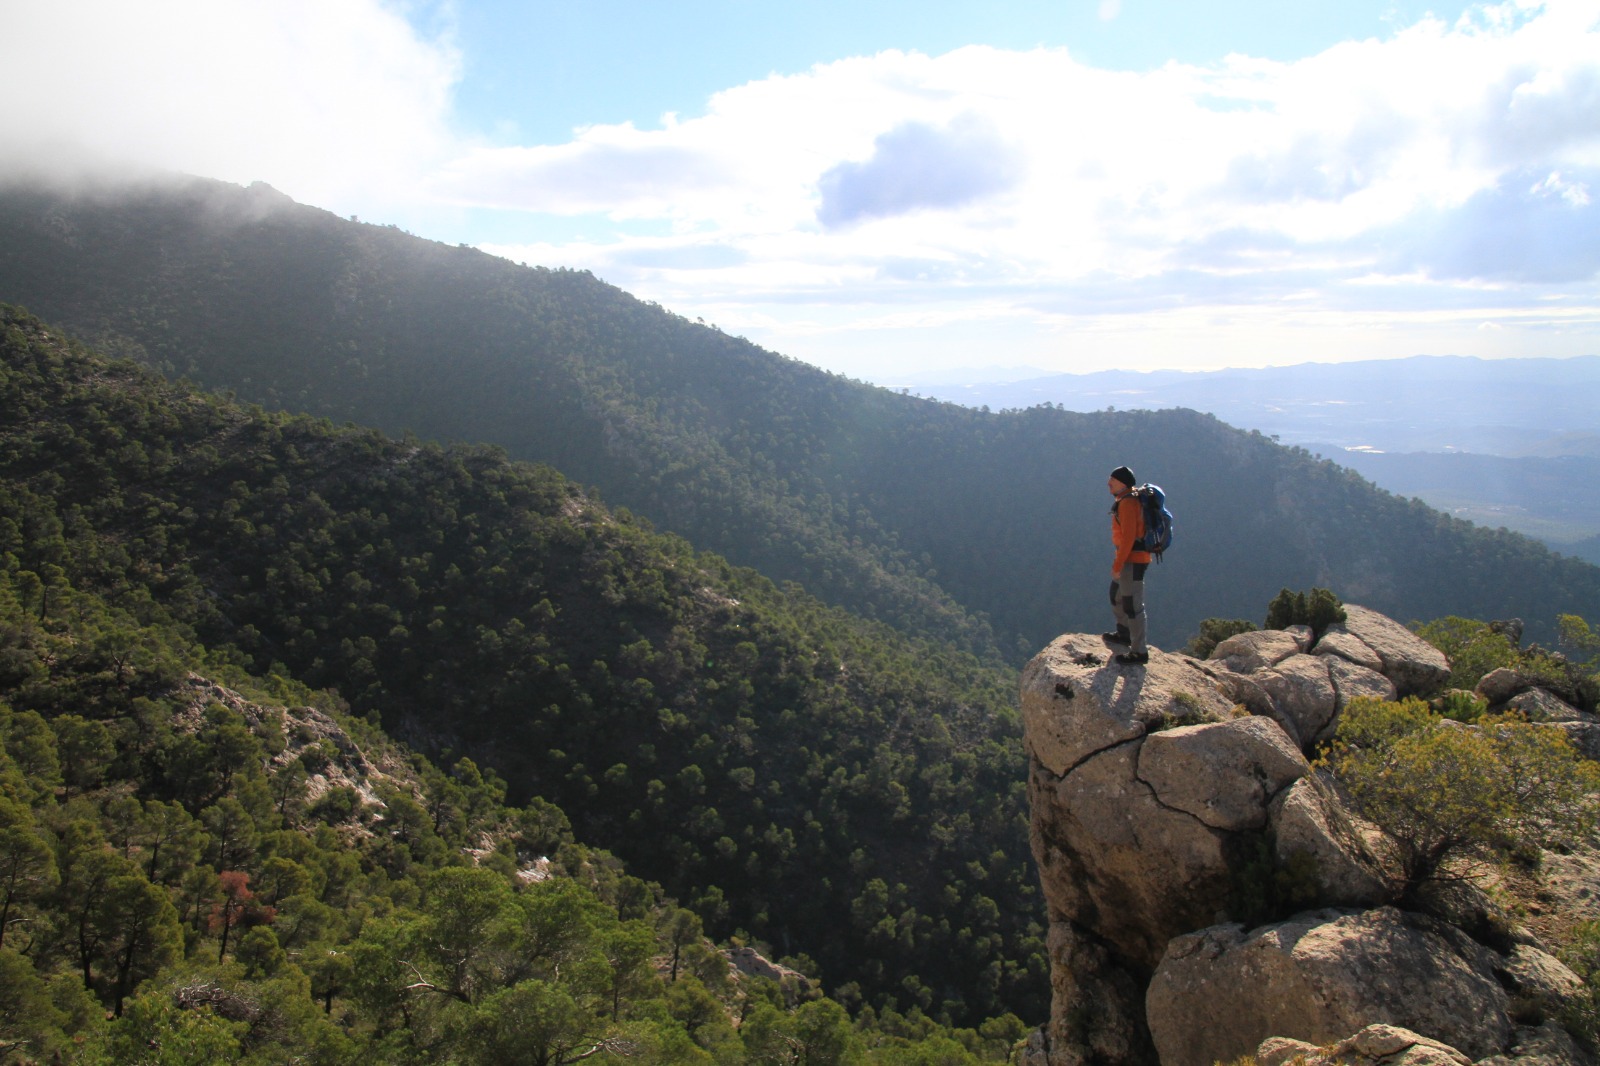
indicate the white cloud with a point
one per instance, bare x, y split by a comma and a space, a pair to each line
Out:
1428, 181
333, 101
1240, 186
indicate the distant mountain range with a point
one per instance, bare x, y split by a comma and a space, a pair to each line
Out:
987, 530
1472, 437
1510, 407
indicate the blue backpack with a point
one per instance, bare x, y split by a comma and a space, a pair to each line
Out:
1157, 520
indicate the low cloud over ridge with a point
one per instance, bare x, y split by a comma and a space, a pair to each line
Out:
1384, 196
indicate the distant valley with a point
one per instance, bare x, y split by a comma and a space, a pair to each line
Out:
1507, 442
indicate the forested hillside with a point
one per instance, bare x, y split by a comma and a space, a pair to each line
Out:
193, 875
983, 528
788, 770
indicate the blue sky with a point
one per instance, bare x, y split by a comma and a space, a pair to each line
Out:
894, 189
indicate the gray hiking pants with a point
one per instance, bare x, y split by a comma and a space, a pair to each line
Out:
1127, 603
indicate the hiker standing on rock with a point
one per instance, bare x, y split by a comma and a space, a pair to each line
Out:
1127, 571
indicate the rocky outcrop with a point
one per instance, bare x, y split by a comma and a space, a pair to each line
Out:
1314, 833
748, 962
1391, 1045
1508, 690
1376, 1045
1168, 799
1416, 667
1505, 689
1147, 793
1321, 976
1303, 684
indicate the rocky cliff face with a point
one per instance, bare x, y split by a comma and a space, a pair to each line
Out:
1166, 800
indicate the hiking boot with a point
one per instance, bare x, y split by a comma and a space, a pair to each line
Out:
1121, 636
1128, 658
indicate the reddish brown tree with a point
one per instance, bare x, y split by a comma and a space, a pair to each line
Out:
237, 909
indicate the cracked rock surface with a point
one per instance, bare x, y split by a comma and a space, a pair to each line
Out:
1321, 976
1148, 789
1162, 796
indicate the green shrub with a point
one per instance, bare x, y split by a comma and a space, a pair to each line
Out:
1451, 798
1214, 631
1458, 705
1474, 648
1319, 609
1581, 1013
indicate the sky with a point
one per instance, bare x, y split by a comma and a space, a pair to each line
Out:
899, 190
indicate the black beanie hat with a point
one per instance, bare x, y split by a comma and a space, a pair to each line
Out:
1124, 475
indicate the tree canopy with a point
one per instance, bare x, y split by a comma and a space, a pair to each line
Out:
772, 762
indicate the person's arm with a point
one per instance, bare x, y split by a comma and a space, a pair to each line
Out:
1123, 532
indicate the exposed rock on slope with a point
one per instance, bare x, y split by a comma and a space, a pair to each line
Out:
1391, 1045
1508, 690
1165, 798
1414, 665
1388, 1045
1321, 976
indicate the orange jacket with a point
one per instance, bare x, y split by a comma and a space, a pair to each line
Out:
1127, 526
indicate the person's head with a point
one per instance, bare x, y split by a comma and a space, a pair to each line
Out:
1121, 481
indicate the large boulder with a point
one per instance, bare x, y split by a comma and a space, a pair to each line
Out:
1105, 1022
1538, 977
1351, 680
1077, 701
1416, 667
1537, 705
1115, 859
1541, 1045
1244, 692
1223, 773
1584, 736
1247, 652
1340, 642
1500, 684
1148, 792
1317, 839
1321, 976
1302, 690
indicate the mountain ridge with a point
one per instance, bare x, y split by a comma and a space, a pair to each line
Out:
986, 529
